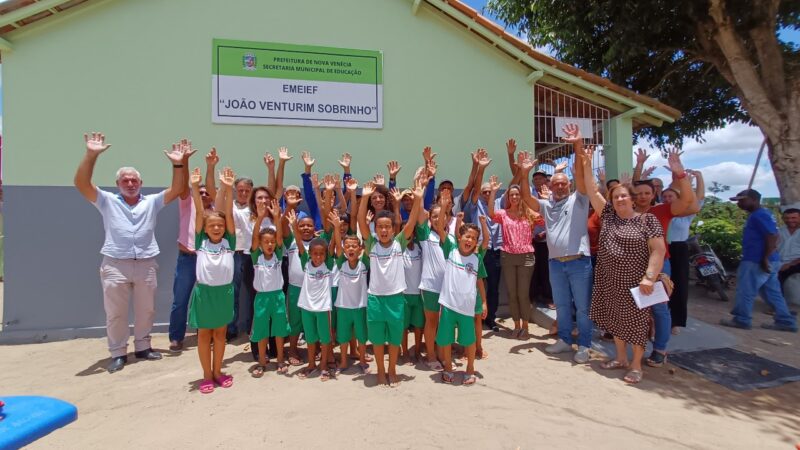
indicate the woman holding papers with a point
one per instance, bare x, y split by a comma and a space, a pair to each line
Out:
631, 253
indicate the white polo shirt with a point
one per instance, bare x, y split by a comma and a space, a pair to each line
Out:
130, 230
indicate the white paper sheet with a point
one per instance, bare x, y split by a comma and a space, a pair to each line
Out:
659, 295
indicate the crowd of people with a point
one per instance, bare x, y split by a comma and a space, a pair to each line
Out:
345, 263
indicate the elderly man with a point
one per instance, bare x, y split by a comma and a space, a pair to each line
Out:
789, 244
570, 261
129, 265
758, 270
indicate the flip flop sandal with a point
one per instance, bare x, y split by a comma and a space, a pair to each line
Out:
258, 371
469, 380
364, 368
282, 368
225, 381
206, 386
613, 364
633, 377
325, 376
295, 361
447, 377
306, 372
368, 358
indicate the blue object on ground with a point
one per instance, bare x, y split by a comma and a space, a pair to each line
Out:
25, 419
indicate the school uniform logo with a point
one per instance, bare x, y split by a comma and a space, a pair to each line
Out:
249, 61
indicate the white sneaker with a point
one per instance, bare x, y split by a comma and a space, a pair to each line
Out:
558, 347
582, 355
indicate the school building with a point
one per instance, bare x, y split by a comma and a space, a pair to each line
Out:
377, 79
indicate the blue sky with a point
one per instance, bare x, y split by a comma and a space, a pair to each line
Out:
727, 155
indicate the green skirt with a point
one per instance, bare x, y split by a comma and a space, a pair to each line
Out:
211, 306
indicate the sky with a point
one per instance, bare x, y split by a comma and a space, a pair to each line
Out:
727, 155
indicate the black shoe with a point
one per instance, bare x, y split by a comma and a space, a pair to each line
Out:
148, 354
117, 364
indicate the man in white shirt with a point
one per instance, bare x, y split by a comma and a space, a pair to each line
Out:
129, 265
789, 245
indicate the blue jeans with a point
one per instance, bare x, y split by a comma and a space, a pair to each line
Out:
233, 326
182, 286
750, 281
571, 282
662, 319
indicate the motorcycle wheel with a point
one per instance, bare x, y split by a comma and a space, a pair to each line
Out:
715, 283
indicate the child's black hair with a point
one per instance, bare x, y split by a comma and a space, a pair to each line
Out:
385, 214
318, 241
468, 226
351, 237
267, 231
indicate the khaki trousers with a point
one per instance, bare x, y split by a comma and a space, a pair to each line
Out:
120, 278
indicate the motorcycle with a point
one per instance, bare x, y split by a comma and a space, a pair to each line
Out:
707, 265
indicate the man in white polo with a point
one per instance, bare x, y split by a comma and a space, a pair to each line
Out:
129, 265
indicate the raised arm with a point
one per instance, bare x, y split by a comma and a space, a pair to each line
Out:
212, 159
352, 187
394, 168
573, 136
686, 204
176, 158
419, 192
473, 172
325, 210
430, 167
641, 158
226, 179
483, 163
494, 185
700, 188
366, 192
334, 249
511, 147
275, 210
261, 214
199, 211
283, 157
291, 219
341, 200
525, 165
596, 198
95, 145
269, 161
440, 225
484, 232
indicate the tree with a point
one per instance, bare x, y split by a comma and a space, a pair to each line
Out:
718, 188
718, 61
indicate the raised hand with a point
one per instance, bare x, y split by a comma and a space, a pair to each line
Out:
352, 184
494, 184
187, 149
329, 182
292, 199
291, 217
544, 191
601, 175
345, 161
394, 167
379, 179
641, 156
269, 160
460, 216
396, 194
572, 133
176, 154
483, 158
368, 189
315, 180
333, 218
511, 146
674, 160
431, 169
283, 154
227, 177
195, 177
369, 216
625, 178
96, 143
562, 166
337, 181
212, 159
261, 210
525, 162
308, 160
419, 189
647, 172
428, 155
275, 209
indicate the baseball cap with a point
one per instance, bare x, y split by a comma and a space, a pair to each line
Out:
446, 182
291, 187
747, 193
539, 172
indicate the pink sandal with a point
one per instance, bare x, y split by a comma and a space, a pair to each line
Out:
225, 381
206, 387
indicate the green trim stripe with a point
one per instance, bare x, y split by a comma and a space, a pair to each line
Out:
296, 62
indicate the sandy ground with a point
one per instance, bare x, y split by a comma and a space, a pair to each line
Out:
524, 399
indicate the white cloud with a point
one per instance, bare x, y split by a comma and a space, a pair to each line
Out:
733, 139
737, 176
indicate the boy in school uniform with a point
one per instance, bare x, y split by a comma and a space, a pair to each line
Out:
463, 278
385, 303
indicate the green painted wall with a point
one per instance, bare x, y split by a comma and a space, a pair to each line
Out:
140, 71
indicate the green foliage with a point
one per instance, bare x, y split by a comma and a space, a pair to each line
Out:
724, 236
659, 48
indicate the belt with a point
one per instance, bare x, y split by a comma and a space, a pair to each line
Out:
564, 259
239, 252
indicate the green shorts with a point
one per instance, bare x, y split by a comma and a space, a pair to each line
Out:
295, 318
430, 300
385, 314
317, 326
350, 320
414, 315
269, 316
449, 320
